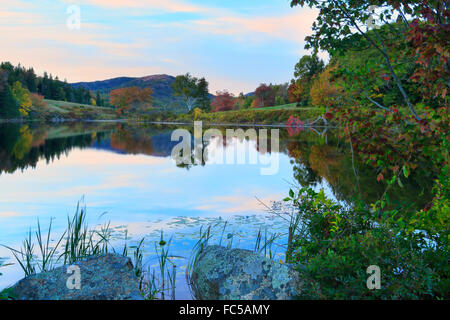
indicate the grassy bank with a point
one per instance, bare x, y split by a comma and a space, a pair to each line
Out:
68, 111
247, 116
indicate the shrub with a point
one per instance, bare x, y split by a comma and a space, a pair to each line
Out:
333, 246
37, 101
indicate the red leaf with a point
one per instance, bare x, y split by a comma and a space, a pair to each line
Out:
328, 115
380, 177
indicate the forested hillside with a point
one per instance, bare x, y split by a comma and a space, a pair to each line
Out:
161, 85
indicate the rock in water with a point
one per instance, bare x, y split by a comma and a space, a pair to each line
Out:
105, 277
237, 274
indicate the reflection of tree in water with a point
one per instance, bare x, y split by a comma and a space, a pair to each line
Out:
22, 146
132, 140
317, 158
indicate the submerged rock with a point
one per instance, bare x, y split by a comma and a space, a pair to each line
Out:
105, 277
237, 274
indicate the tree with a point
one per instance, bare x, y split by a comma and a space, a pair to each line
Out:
323, 91
264, 96
224, 101
279, 101
409, 49
243, 101
131, 100
239, 101
31, 80
256, 103
8, 69
37, 101
98, 99
295, 92
203, 98
308, 67
281, 91
197, 112
8, 105
429, 41
342, 25
193, 91
46, 86
68, 92
306, 70
22, 96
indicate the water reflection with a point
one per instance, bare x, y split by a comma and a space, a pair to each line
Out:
126, 171
316, 157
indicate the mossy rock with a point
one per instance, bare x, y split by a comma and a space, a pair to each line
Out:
237, 274
105, 277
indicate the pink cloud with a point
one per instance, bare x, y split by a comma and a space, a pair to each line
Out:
170, 6
291, 27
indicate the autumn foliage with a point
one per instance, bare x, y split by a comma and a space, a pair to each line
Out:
295, 92
323, 91
264, 96
429, 42
22, 95
224, 101
133, 99
37, 100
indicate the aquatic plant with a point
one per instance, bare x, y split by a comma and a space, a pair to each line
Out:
198, 248
7, 293
152, 285
78, 241
264, 244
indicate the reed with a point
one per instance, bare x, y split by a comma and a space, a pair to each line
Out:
152, 284
25, 255
47, 252
79, 242
264, 244
198, 248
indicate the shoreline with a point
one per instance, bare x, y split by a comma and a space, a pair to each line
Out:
223, 124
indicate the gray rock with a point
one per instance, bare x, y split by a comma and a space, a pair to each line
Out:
237, 274
105, 277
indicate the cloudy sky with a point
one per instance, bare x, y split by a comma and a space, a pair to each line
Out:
235, 44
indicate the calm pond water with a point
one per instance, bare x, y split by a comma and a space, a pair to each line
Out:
125, 174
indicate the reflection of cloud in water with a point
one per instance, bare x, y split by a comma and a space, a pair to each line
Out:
237, 204
96, 157
10, 214
109, 183
240, 231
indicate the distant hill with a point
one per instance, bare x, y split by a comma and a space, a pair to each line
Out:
160, 83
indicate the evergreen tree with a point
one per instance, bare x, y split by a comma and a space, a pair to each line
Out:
68, 92
99, 99
9, 69
31, 80
86, 97
204, 101
8, 106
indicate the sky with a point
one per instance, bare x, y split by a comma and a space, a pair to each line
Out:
234, 44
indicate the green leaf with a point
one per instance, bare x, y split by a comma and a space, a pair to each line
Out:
405, 171
8, 294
